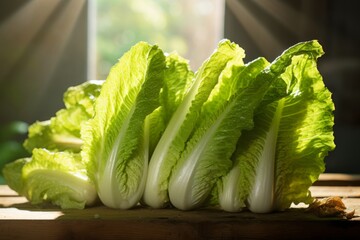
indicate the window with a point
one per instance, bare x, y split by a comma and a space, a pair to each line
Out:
190, 27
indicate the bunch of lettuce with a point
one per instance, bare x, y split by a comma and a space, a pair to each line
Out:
55, 171
233, 134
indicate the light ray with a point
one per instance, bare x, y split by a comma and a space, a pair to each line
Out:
36, 67
262, 36
17, 32
289, 17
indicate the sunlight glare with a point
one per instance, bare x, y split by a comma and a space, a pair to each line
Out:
262, 36
286, 15
20, 29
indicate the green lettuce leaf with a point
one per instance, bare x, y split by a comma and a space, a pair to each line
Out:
55, 173
62, 132
56, 177
207, 155
177, 79
277, 161
183, 122
116, 140
306, 134
12, 173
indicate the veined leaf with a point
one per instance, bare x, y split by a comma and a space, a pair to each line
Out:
183, 122
62, 132
277, 161
116, 146
56, 177
207, 155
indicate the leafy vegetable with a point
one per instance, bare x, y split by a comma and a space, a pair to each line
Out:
13, 174
183, 122
62, 132
277, 161
177, 79
55, 172
57, 177
206, 157
237, 135
116, 140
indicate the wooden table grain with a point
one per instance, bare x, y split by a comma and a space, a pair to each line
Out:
21, 220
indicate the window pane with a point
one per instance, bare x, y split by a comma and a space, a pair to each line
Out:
191, 27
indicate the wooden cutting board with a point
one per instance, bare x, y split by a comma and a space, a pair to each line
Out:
21, 220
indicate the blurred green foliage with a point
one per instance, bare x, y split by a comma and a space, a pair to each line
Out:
122, 23
12, 136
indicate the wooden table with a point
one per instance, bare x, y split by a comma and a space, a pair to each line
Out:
21, 220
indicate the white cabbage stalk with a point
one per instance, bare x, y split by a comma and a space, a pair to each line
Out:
261, 198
